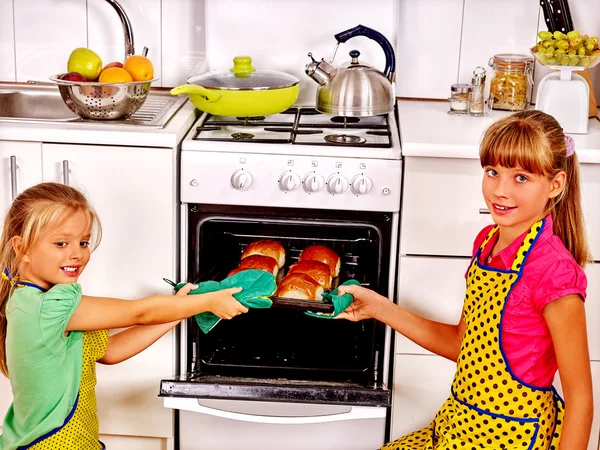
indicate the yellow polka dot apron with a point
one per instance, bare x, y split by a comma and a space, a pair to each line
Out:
80, 430
489, 407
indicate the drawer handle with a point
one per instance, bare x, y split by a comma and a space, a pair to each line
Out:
13, 177
484, 211
65, 165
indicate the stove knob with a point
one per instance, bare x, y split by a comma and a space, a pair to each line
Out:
336, 184
313, 182
241, 180
361, 185
289, 181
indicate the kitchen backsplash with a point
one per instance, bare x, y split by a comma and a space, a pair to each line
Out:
438, 42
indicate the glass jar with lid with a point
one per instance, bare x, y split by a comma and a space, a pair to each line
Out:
459, 98
511, 83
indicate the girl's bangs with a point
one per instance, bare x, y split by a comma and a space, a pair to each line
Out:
514, 147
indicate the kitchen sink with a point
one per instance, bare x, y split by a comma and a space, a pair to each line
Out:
42, 103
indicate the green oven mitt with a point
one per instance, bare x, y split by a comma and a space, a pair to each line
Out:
340, 302
257, 286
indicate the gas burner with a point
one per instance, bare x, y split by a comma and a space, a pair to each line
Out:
344, 119
251, 119
242, 136
345, 139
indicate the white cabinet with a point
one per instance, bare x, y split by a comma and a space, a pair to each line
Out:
590, 187
133, 191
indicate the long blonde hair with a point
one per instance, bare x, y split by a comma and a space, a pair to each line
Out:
28, 217
534, 141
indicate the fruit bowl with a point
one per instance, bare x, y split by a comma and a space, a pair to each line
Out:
575, 62
103, 101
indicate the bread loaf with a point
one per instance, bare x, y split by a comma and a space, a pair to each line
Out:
299, 286
260, 262
317, 270
234, 271
266, 247
324, 255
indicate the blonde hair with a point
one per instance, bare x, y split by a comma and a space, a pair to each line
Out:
29, 217
534, 141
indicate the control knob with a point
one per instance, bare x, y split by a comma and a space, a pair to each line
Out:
336, 184
241, 180
289, 181
361, 185
313, 182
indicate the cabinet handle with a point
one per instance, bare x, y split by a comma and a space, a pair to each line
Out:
484, 211
66, 172
13, 177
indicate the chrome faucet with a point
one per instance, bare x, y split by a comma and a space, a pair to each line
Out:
127, 30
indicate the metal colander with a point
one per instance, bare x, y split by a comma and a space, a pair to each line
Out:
103, 101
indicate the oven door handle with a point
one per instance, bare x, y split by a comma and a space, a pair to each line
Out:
355, 413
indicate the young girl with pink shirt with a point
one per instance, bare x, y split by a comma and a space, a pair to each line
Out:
523, 314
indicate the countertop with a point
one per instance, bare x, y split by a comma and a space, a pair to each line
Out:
103, 132
427, 130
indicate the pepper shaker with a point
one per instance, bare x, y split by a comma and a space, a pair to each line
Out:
476, 97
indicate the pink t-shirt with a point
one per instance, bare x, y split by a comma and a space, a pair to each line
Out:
550, 272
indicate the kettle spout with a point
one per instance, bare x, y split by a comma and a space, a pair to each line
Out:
320, 71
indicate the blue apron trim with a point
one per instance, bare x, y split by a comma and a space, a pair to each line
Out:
56, 430
534, 437
489, 413
7, 276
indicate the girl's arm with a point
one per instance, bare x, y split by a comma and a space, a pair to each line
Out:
122, 346
566, 320
97, 313
440, 338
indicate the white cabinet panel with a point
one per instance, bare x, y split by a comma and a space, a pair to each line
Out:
590, 177
421, 385
7, 41
592, 310
113, 442
428, 56
105, 32
6, 398
433, 288
441, 206
496, 26
46, 33
593, 444
27, 164
133, 190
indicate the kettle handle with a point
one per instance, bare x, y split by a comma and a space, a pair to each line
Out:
361, 30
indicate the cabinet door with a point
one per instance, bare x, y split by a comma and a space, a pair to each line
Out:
21, 165
6, 398
421, 385
133, 191
590, 192
433, 288
592, 310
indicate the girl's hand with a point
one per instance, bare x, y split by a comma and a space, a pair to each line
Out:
224, 305
367, 303
185, 290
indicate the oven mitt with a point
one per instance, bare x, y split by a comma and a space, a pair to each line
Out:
257, 285
340, 302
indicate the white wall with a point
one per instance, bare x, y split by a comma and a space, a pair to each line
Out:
438, 42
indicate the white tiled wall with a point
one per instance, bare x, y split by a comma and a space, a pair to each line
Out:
438, 42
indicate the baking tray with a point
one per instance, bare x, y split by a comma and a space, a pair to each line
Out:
302, 305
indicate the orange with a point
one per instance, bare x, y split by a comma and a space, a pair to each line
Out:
114, 75
139, 67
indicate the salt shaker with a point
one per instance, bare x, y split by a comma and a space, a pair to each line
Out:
459, 98
476, 102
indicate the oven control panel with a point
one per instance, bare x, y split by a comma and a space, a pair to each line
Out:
292, 181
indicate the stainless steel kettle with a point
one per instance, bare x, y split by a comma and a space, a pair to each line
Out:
355, 89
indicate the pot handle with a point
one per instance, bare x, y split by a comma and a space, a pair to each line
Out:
361, 30
193, 89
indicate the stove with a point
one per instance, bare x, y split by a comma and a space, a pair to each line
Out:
300, 126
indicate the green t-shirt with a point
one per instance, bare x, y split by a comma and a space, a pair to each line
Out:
44, 365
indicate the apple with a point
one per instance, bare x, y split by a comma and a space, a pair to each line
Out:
86, 62
73, 76
113, 64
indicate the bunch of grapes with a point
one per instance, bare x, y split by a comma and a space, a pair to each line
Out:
571, 49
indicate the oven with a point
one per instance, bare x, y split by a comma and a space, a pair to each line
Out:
279, 377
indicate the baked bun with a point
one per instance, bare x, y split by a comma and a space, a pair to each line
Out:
234, 271
317, 270
300, 286
260, 262
323, 254
266, 247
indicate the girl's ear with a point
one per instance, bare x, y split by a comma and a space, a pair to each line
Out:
557, 186
17, 244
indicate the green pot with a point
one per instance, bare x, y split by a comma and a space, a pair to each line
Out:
242, 92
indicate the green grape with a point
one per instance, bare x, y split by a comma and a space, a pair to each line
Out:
559, 35
572, 52
590, 45
550, 51
549, 44
539, 50
581, 51
560, 51
585, 61
575, 41
545, 35
564, 61
563, 44
594, 39
573, 60
585, 37
572, 34
550, 61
